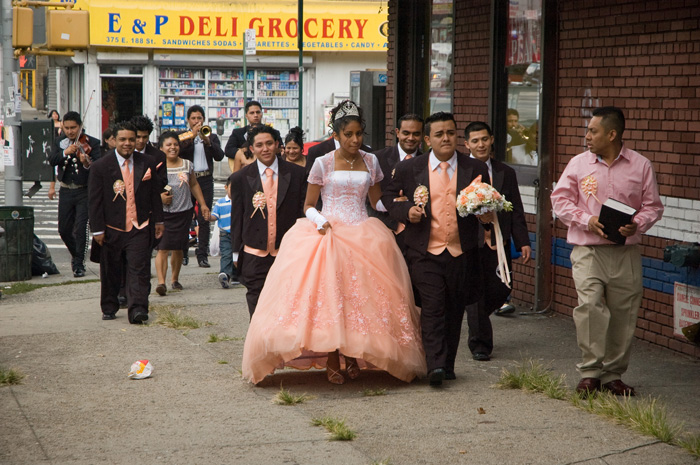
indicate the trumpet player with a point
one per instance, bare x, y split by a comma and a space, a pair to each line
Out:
72, 156
202, 148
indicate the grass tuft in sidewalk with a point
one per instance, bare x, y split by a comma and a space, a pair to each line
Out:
216, 338
373, 392
532, 376
691, 443
337, 428
166, 316
22, 287
10, 376
644, 415
285, 397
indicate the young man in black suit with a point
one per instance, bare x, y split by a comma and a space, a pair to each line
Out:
253, 115
125, 210
202, 150
479, 140
144, 128
409, 133
441, 246
267, 198
73, 172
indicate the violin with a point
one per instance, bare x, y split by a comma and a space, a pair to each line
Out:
83, 144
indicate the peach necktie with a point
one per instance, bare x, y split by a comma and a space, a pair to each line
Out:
270, 188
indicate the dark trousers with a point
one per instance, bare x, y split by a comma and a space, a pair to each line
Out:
252, 274
495, 293
133, 250
440, 281
72, 223
207, 185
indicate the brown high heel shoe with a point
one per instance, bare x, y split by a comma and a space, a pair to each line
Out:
333, 369
352, 368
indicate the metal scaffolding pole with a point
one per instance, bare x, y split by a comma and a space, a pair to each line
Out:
10, 103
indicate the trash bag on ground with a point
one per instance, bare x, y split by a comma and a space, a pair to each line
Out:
41, 259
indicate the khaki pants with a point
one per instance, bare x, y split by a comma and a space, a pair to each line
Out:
608, 282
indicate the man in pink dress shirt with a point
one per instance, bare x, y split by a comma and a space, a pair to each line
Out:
608, 277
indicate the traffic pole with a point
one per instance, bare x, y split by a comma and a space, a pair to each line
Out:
11, 111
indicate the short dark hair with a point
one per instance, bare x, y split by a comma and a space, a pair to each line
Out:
512, 111
123, 126
436, 117
260, 129
197, 108
338, 124
476, 126
409, 117
73, 116
252, 103
295, 134
168, 135
107, 133
611, 118
142, 123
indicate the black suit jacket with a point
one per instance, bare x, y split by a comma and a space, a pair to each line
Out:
408, 176
236, 141
68, 173
388, 159
161, 163
323, 148
513, 223
212, 151
251, 229
108, 208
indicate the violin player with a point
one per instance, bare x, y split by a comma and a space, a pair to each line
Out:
72, 155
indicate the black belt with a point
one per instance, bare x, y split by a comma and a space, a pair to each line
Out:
201, 174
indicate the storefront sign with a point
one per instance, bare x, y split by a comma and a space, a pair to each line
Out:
686, 307
217, 25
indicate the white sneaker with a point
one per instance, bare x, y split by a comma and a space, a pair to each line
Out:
223, 279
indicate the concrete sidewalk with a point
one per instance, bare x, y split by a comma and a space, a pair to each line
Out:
77, 405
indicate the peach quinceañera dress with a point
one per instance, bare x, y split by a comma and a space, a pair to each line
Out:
348, 289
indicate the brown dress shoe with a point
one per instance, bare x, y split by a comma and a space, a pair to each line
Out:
619, 388
588, 385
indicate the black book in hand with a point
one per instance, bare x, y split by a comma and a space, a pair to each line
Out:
613, 215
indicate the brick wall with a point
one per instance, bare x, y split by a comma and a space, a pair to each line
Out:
472, 62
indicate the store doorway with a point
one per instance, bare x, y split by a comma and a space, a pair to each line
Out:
122, 94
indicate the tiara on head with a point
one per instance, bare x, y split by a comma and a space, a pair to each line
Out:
347, 109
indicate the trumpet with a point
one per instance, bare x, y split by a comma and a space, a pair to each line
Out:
205, 131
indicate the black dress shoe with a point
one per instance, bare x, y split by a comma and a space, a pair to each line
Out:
185, 260
109, 316
436, 376
140, 318
481, 356
79, 273
450, 375
122, 301
203, 263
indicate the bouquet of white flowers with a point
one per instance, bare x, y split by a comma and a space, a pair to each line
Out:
479, 198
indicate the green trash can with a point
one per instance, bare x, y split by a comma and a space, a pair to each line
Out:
17, 244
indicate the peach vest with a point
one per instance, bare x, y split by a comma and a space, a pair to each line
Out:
131, 216
444, 231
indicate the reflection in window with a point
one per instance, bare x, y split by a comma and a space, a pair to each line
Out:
524, 80
441, 56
